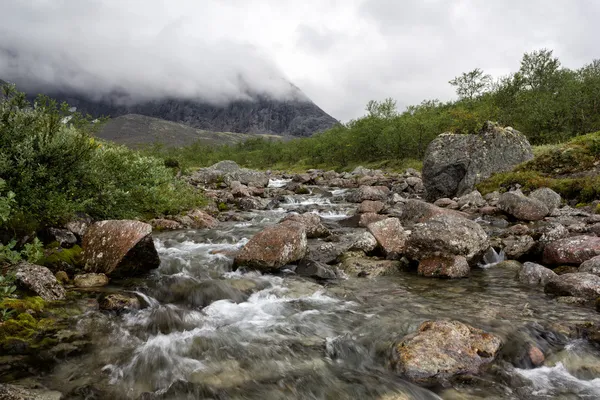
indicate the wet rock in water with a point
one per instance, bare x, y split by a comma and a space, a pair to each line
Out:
366, 242
535, 274
549, 197
440, 350
536, 356
274, 247
38, 280
370, 206
473, 199
312, 223
239, 190
119, 302
522, 207
516, 247
591, 266
316, 270
198, 219
357, 265
572, 300
368, 218
90, 280
13, 392
415, 211
251, 203
572, 250
576, 284
446, 235
119, 248
163, 224
454, 163
444, 267
375, 193
390, 235
64, 237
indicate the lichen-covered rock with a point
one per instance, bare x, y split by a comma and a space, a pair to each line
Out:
591, 266
582, 285
375, 193
444, 267
239, 190
64, 237
549, 197
390, 235
119, 248
12, 392
454, 164
414, 211
366, 219
198, 219
366, 243
535, 274
522, 207
312, 222
516, 247
90, 280
39, 280
440, 350
473, 199
370, 206
447, 235
572, 250
274, 247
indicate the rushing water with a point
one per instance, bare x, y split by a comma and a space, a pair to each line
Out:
208, 332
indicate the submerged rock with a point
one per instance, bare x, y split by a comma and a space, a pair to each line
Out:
440, 350
447, 235
582, 285
454, 163
572, 250
38, 280
535, 274
119, 248
316, 270
444, 267
119, 302
90, 280
274, 247
522, 207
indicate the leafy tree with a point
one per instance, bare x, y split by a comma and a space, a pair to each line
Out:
471, 84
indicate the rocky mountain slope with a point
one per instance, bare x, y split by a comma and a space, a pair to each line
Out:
134, 130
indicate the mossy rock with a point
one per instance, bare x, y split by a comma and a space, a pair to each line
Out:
35, 304
59, 259
565, 269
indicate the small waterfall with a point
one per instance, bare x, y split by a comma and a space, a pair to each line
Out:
491, 258
149, 301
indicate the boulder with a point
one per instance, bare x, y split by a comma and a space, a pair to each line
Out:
366, 243
582, 285
239, 190
390, 236
198, 219
274, 247
445, 202
64, 237
79, 224
444, 267
119, 302
549, 197
227, 172
473, 199
370, 206
312, 223
455, 163
38, 280
535, 274
522, 207
357, 265
163, 224
119, 248
572, 250
90, 280
440, 350
414, 211
314, 269
368, 218
591, 266
447, 235
251, 203
375, 193
516, 247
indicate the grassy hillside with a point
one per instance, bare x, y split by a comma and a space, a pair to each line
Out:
571, 169
135, 131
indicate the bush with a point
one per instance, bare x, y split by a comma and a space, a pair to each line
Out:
51, 167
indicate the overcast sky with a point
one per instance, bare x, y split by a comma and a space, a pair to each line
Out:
340, 53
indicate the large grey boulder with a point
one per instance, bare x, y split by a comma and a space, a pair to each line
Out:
522, 207
447, 235
535, 274
580, 284
454, 164
228, 172
549, 197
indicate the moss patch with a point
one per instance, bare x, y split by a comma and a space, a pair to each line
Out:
35, 304
58, 258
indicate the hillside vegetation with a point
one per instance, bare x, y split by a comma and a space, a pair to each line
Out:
545, 101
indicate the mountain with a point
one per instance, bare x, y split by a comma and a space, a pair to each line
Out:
134, 130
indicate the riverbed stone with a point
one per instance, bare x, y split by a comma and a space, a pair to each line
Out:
415, 211
370, 206
575, 284
390, 235
591, 266
447, 235
274, 247
38, 280
229, 171
358, 265
366, 243
312, 223
444, 267
316, 270
119, 302
516, 247
119, 248
366, 219
442, 349
90, 280
547, 196
163, 224
375, 193
535, 274
572, 250
522, 207
473, 199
